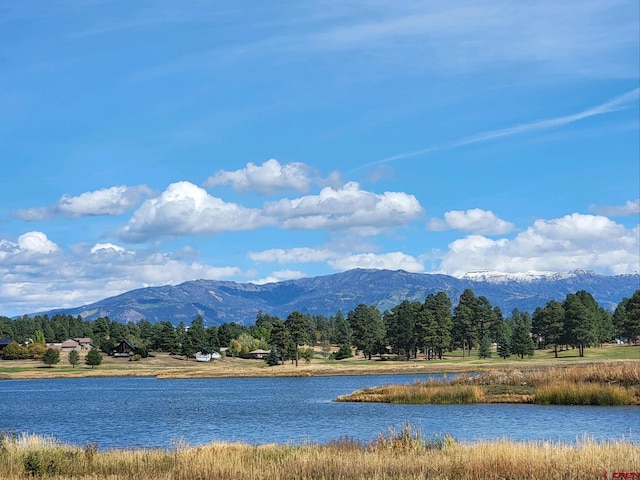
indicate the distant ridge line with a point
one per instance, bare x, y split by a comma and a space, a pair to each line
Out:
228, 301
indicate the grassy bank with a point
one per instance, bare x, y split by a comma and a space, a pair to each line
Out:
163, 365
612, 383
406, 454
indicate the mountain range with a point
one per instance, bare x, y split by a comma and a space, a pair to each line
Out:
223, 301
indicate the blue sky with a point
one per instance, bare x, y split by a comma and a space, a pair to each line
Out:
153, 142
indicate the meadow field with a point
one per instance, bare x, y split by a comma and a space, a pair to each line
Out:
164, 365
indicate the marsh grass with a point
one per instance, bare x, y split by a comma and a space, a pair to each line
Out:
418, 393
584, 394
612, 383
405, 454
624, 373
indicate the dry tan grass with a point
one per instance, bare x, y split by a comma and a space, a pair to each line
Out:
624, 373
394, 457
163, 365
611, 383
430, 392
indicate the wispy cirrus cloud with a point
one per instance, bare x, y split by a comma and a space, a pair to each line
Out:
293, 255
620, 102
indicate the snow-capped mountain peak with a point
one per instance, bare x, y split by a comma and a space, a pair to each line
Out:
492, 276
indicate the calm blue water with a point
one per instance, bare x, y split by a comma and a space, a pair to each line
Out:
128, 412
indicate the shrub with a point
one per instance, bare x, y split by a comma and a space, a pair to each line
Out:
36, 350
36, 464
307, 354
142, 351
13, 351
343, 352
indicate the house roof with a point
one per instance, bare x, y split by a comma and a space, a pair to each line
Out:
257, 351
69, 343
128, 344
83, 340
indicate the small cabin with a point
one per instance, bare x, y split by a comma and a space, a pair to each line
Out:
207, 357
259, 354
77, 344
69, 345
84, 343
124, 349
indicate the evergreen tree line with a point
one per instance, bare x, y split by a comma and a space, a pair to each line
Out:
409, 329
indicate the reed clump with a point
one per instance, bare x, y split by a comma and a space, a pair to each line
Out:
429, 392
405, 454
584, 394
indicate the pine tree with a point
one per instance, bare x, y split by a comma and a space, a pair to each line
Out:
464, 325
581, 312
368, 329
272, 359
51, 357
297, 326
74, 358
94, 358
548, 324
521, 341
504, 347
484, 349
632, 317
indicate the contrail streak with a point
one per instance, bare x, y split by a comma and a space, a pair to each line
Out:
621, 102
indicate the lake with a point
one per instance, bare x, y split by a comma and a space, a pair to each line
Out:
127, 412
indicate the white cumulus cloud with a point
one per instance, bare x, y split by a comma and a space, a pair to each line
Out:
36, 275
185, 209
386, 261
108, 248
629, 208
475, 220
108, 201
279, 276
266, 179
30, 244
346, 208
561, 244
